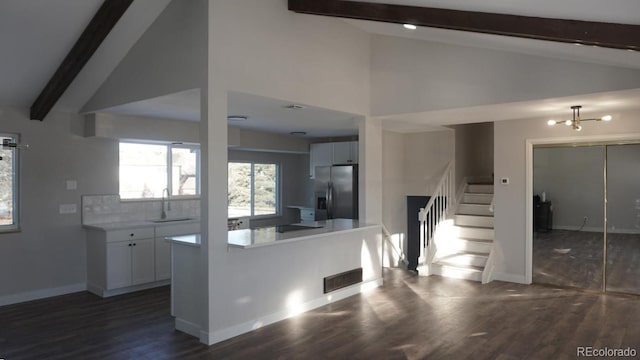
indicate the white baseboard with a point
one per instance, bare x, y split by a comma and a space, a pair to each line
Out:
224, 334
188, 327
41, 294
518, 279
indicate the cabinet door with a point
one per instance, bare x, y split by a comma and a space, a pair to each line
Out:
354, 152
320, 155
163, 259
143, 268
342, 153
118, 264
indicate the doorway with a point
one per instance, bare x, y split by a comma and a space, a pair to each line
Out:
586, 226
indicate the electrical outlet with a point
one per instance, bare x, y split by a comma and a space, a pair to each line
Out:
68, 209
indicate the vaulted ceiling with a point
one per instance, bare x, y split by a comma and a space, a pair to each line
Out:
36, 35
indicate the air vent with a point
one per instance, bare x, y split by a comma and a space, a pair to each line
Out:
342, 280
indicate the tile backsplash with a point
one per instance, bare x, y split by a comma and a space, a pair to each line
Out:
103, 209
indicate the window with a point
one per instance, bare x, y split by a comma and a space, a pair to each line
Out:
253, 189
147, 169
8, 184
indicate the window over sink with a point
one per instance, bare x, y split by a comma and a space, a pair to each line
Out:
253, 189
146, 169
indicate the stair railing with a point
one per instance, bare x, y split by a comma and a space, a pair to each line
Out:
433, 214
388, 240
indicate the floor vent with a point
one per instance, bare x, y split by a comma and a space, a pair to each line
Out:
339, 281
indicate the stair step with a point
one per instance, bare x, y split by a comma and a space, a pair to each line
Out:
463, 245
474, 209
455, 272
471, 232
474, 220
465, 259
478, 188
477, 198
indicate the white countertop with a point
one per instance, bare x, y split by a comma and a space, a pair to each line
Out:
136, 224
190, 240
250, 238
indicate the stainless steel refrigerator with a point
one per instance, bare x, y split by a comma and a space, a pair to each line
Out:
336, 192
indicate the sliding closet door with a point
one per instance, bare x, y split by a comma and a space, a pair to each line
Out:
623, 219
568, 243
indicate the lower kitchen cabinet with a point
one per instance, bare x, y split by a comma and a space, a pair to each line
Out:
125, 260
130, 263
120, 261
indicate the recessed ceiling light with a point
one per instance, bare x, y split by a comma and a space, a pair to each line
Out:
237, 117
298, 133
294, 106
410, 26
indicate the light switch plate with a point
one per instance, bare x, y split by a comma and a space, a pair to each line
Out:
72, 184
504, 181
68, 208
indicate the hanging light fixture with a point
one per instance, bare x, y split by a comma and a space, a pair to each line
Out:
575, 121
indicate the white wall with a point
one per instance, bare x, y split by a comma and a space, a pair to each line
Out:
171, 56
412, 165
276, 53
410, 76
244, 139
474, 151
47, 257
512, 201
141, 128
313, 60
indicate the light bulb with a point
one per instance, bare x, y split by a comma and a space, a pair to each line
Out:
410, 26
551, 122
568, 122
607, 118
579, 128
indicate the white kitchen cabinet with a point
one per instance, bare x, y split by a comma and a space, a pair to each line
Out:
320, 154
120, 259
345, 152
163, 247
333, 153
130, 263
118, 265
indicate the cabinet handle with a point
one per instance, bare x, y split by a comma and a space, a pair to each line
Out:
131, 234
129, 244
134, 244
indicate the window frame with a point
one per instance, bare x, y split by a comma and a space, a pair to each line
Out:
169, 163
15, 186
278, 188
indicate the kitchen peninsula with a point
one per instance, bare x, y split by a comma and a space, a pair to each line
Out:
285, 268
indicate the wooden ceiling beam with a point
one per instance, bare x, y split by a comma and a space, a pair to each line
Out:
607, 35
96, 31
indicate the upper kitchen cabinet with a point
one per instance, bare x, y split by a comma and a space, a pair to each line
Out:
345, 153
334, 153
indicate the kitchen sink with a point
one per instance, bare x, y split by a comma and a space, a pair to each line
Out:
171, 220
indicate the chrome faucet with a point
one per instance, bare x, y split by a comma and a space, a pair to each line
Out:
164, 214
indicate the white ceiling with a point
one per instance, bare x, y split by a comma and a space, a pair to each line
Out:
35, 35
263, 114
594, 106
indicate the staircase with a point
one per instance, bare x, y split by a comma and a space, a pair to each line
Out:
464, 248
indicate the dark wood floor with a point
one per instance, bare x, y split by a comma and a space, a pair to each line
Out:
574, 258
409, 317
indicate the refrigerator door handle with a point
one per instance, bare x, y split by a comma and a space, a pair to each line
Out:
330, 201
